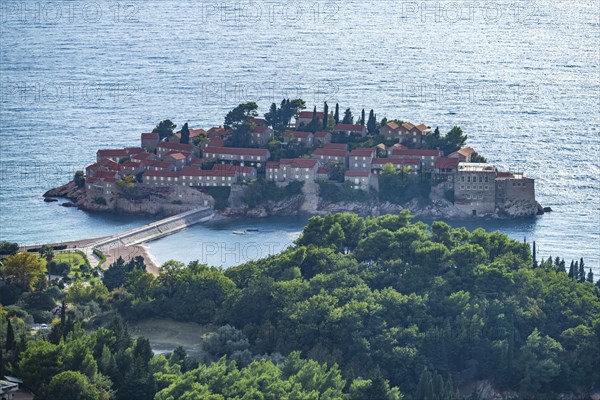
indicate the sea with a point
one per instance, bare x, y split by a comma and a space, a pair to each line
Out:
520, 77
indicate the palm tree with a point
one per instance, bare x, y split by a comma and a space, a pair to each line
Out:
48, 253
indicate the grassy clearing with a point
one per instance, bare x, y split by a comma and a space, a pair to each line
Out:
165, 334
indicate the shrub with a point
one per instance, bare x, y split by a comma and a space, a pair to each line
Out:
221, 196
100, 200
261, 191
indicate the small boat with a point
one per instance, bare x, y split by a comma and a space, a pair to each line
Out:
239, 233
252, 230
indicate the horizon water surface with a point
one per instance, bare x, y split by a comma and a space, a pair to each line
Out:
522, 78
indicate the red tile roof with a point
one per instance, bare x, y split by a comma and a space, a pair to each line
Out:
399, 146
190, 171
336, 146
466, 151
298, 134
362, 152
273, 165
196, 161
321, 134
422, 127
109, 164
330, 152
416, 153
150, 136
131, 164
299, 162
408, 126
238, 151
142, 156
322, 170
219, 131
134, 150
449, 163
260, 129
357, 174
309, 115
112, 153
349, 128
259, 121
215, 142
177, 156
392, 125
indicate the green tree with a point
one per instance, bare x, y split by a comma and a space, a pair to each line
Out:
79, 179
372, 123
425, 386
325, 116
590, 276
23, 270
363, 117
538, 363
47, 252
164, 129
11, 344
38, 364
73, 385
240, 120
336, 114
453, 141
348, 117
185, 134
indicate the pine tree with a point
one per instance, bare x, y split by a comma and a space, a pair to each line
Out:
362, 117
348, 117
590, 276
336, 115
325, 115
10, 336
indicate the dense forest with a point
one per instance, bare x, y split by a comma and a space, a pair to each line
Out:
359, 308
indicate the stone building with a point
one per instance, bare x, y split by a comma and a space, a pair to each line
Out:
475, 189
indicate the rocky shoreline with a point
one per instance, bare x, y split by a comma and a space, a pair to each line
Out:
173, 200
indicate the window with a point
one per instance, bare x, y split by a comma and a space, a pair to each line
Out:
462, 178
480, 187
357, 181
486, 187
480, 179
486, 179
468, 178
468, 196
481, 196
468, 187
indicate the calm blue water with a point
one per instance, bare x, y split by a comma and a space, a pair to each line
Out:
521, 78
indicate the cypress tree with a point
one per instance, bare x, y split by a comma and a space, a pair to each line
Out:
362, 117
325, 115
372, 123
10, 336
581, 273
534, 251
572, 270
185, 134
336, 115
425, 386
590, 276
63, 320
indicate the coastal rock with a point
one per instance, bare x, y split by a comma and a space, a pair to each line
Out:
518, 209
68, 204
50, 200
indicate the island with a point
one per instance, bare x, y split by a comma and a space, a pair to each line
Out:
294, 161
